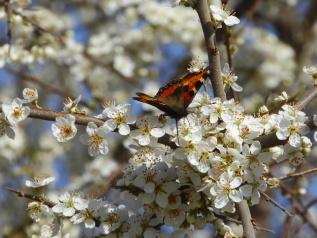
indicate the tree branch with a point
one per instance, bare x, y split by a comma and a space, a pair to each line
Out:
246, 219
32, 197
218, 88
44, 201
240, 223
297, 206
269, 199
212, 49
298, 174
49, 115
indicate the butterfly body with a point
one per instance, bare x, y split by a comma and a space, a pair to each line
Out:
174, 98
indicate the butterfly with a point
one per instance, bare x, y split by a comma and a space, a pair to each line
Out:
174, 98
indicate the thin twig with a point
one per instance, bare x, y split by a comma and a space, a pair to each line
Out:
311, 203
298, 230
297, 208
32, 197
44, 201
98, 191
269, 199
240, 223
298, 174
309, 96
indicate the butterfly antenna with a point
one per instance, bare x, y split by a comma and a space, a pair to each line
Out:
177, 131
188, 120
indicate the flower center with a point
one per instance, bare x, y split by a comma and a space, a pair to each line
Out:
30, 94
171, 199
174, 213
145, 130
112, 218
186, 131
121, 119
66, 131
17, 112
94, 142
190, 147
245, 131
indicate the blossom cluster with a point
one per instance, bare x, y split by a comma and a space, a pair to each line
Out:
218, 162
218, 155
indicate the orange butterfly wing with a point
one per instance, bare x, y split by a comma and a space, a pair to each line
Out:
142, 97
175, 97
182, 91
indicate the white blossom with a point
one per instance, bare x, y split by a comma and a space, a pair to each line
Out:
30, 95
230, 79
188, 129
196, 65
15, 112
119, 117
253, 188
64, 129
147, 127
5, 127
293, 154
124, 64
87, 215
312, 70
70, 203
70, 106
47, 232
226, 190
222, 16
263, 109
112, 218
36, 210
283, 97
202, 157
39, 181
292, 130
175, 217
96, 139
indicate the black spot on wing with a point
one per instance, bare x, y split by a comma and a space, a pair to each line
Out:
178, 92
198, 84
192, 93
186, 88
